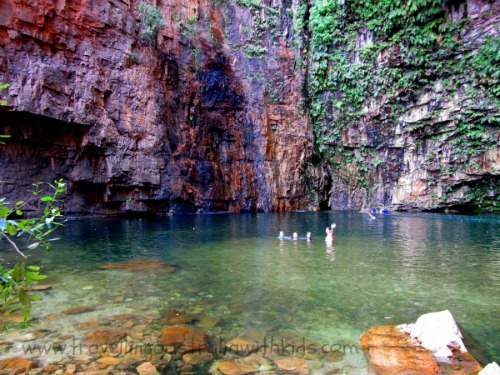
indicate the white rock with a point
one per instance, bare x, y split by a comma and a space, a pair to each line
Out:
490, 369
436, 332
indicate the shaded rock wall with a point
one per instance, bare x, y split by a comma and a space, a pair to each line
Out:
184, 126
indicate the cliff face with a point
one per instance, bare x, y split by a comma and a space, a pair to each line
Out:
405, 103
187, 125
215, 116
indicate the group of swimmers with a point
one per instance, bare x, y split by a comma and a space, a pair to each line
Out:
329, 230
328, 239
295, 236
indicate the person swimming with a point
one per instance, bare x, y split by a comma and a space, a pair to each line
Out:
282, 236
330, 235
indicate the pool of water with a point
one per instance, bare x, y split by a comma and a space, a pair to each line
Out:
234, 269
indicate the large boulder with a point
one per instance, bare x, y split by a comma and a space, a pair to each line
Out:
437, 332
430, 346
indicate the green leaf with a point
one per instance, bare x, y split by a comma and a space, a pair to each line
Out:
47, 198
35, 297
35, 276
19, 273
4, 211
12, 230
24, 299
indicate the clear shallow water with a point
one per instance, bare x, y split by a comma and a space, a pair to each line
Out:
233, 268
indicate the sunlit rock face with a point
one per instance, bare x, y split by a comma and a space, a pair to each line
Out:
187, 125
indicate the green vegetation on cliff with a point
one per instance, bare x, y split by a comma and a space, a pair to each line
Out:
151, 22
384, 51
371, 62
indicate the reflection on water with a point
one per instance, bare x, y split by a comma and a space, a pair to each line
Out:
235, 270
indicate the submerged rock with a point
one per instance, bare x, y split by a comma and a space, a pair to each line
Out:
177, 317
14, 317
93, 372
78, 310
53, 316
197, 358
209, 321
89, 324
16, 365
140, 265
147, 369
39, 288
293, 365
233, 368
104, 336
242, 345
185, 339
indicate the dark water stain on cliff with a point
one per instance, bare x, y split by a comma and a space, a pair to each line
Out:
220, 86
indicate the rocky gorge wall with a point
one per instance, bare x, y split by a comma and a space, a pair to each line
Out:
186, 125
225, 112
404, 99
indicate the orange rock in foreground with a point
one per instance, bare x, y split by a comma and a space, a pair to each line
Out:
16, 365
393, 352
185, 338
233, 368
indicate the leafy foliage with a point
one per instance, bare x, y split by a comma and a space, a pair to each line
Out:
14, 288
16, 281
388, 52
486, 64
151, 22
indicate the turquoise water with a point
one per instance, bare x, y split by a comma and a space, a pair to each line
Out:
232, 267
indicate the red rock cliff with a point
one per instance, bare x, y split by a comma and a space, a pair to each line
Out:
203, 121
